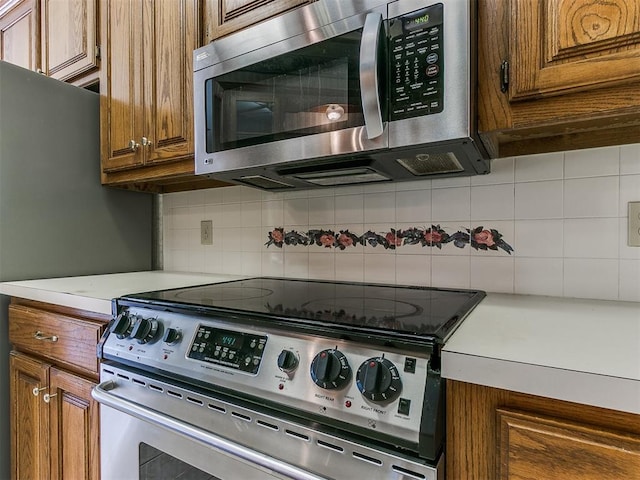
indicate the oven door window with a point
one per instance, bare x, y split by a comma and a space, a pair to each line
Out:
155, 464
311, 90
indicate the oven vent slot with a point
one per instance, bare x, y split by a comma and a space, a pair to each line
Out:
367, 458
217, 408
110, 372
407, 473
138, 382
301, 436
246, 418
174, 394
124, 377
195, 400
270, 426
330, 446
156, 388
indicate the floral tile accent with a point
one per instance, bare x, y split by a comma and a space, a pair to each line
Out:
479, 238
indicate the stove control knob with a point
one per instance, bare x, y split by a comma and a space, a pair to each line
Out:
122, 326
378, 380
330, 369
144, 330
171, 336
288, 361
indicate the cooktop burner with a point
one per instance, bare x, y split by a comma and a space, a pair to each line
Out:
414, 311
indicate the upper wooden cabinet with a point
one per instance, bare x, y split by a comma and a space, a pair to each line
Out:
20, 33
223, 17
558, 75
69, 38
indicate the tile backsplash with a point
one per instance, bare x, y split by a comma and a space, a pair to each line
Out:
563, 217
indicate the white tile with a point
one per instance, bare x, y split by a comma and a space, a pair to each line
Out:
450, 182
591, 238
251, 214
492, 274
322, 210
272, 214
413, 269
350, 267
538, 276
593, 162
251, 263
296, 265
213, 213
413, 185
296, 211
187, 217
450, 271
502, 239
502, 171
531, 168
494, 202
591, 278
251, 194
273, 263
231, 194
380, 207
539, 238
630, 159
380, 268
189, 198
322, 266
350, 190
251, 239
232, 263
213, 196
321, 192
591, 197
538, 200
231, 239
213, 260
630, 280
448, 204
629, 192
349, 209
379, 187
288, 195
625, 251
231, 215
413, 206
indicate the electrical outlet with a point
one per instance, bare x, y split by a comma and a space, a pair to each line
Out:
206, 232
634, 224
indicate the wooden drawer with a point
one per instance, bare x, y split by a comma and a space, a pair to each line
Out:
57, 337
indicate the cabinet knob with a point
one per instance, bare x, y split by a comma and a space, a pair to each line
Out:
36, 391
133, 145
48, 396
146, 142
43, 337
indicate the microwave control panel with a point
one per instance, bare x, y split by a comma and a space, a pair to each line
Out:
417, 64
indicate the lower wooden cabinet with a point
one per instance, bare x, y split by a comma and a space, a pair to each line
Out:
499, 434
54, 422
55, 425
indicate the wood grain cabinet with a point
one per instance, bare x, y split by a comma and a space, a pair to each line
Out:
498, 434
223, 17
20, 33
558, 75
53, 367
70, 39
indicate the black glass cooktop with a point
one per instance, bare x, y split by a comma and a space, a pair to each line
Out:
393, 310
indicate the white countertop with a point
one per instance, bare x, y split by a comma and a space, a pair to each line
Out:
585, 351
94, 292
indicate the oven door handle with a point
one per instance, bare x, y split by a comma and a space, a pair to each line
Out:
101, 394
369, 75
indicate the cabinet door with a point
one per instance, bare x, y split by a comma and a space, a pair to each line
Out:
171, 32
75, 425
223, 17
121, 108
29, 380
535, 446
69, 37
560, 46
20, 33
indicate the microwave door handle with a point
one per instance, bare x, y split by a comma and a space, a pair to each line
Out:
369, 75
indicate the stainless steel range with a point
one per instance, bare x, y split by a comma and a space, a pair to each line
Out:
277, 378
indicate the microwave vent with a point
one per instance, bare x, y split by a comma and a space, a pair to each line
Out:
431, 163
264, 182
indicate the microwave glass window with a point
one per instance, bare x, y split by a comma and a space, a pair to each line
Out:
308, 91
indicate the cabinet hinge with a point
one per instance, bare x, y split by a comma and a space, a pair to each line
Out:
504, 76
97, 51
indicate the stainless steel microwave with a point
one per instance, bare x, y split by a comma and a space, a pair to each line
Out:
341, 92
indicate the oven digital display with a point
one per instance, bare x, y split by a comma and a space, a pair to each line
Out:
236, 350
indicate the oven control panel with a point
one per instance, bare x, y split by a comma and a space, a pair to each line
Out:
379, 390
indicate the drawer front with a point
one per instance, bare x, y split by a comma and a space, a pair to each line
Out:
60, 338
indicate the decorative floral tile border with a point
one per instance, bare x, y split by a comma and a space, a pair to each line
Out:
480, 238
